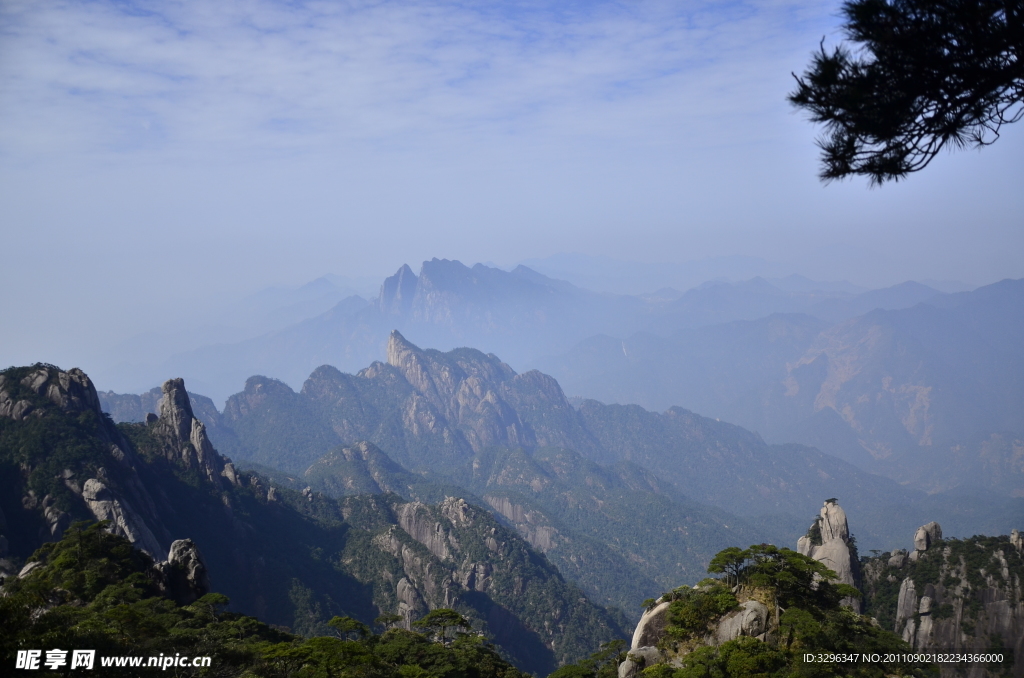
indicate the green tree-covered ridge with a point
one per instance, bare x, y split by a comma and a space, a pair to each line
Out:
294, 559
93, 590
961, 576
803, 598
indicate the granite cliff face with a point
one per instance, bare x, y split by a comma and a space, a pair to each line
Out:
452, 554
952, 595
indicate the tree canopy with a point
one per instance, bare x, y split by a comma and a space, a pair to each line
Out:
920, 76
92, 589
806, 599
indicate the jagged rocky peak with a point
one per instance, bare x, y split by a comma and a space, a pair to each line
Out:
444, 370
469, 389
398, 292
828, 541
185, 436
71, 391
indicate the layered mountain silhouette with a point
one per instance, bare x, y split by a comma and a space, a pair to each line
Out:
520, 315
931, 395
620, 498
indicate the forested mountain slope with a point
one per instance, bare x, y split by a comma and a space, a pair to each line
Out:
292, 558
623, 500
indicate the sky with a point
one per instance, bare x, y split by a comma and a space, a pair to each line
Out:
160, 158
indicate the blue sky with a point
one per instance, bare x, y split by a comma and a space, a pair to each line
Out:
157, 157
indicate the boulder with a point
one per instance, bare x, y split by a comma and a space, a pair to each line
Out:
927, 535
1017, 540
629, 668
750, 620
639, 659
183, 576
898, 558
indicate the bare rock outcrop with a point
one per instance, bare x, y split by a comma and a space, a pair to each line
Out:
651, 627
751, 619
828, 541
955, 595
927, 535
124, 519
184, 436
427, 583
183, 576
532, 525
638, 659
113, 492
651, 643
897, 558
416, 520
72, 392
410, 603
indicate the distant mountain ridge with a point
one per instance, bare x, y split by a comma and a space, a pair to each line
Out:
598, 488
436, 411
931, 395
521, 315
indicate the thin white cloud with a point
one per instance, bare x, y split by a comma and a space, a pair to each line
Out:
237, 77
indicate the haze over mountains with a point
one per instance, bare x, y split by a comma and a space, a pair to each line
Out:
621, 499
912, 393
464, 424
910, 382
662, 428
520, 315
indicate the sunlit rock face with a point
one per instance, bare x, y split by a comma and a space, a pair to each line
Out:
828, 541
